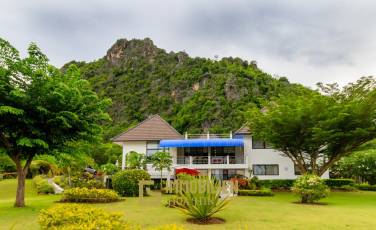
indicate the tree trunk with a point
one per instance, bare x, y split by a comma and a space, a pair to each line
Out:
20, 194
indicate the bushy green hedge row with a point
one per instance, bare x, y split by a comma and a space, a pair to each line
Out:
42, 185
332, 183
366, 187
277, 183
85, 195
261, 192
126, 182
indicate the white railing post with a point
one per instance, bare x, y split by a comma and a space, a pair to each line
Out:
186, 135
190, 160
228, 159
230, 134
208, 135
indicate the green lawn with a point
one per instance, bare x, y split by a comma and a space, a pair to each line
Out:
345, 210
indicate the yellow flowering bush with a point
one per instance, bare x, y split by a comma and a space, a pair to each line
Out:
167, 227
81, 217
310, 188
82, 195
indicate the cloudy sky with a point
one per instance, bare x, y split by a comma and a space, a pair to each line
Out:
308, 42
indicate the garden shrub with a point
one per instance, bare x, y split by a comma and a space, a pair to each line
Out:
109, 168
42, 185
86, 180
365, 187
61, 181
310, 188
6, 164
345, 188
280, 184
338, 182
242, 182
261, 192
126, 182
85, 195
80, 217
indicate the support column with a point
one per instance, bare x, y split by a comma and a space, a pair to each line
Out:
209, 155
123, 157
209, 173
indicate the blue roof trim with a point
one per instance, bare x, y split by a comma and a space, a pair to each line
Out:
223, 142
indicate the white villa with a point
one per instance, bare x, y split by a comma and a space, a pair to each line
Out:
222, 156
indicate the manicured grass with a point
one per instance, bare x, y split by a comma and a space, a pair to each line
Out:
344, 210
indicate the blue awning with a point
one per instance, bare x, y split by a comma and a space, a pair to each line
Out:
223, 142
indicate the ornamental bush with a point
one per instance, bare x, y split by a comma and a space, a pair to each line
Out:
42, 185
335, 183
126, 182
366, 187
261, 192
279, 184
80, 217
85, 195
310, 188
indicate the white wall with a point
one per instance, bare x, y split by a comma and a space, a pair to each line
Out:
271, 156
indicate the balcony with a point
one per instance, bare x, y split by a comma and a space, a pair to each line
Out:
208, 160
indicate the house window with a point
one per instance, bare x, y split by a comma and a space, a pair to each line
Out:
258, 144
265, 169
153, 147
297, 170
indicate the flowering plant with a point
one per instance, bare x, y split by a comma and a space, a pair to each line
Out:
310, 188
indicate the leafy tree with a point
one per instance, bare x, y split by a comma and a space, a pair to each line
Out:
316, 130
41, 109
162, 160
360, 165
135, 160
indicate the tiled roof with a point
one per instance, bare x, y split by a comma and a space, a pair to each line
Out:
153, 128
243, 130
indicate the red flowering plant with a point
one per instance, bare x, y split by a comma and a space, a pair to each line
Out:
192, 172
242, 182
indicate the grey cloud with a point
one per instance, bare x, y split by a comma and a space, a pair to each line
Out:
335, 40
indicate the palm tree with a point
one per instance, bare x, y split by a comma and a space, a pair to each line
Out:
162, 160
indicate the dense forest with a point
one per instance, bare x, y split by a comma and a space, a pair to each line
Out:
193, 94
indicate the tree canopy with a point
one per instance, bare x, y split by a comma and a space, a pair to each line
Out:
316, 129
41, 109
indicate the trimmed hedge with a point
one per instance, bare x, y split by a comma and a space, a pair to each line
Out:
262, 192
80, 217
42, 185
337, 183
365, 187
85, 195
126, 182
277, 183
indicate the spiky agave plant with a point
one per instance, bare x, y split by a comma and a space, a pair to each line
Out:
203, 201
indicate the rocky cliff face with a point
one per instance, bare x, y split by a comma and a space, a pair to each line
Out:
193, 94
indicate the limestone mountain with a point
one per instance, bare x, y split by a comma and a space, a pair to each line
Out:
193, 94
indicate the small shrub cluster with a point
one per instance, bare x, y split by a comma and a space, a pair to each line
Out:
310, 188
174, 201
337, 183
85, 195
6, 164
365, 187
126, 182
277, 184
61, 181
86, 180
261, 192
80, 217
344, 188
42, 185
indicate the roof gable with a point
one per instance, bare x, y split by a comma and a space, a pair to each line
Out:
243, 130
153, 128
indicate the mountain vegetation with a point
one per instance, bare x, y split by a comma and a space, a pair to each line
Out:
193, 94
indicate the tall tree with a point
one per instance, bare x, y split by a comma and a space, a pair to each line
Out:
316, 129
162, 160
41, 109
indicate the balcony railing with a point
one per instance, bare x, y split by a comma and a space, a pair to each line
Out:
207, 136
198, 160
